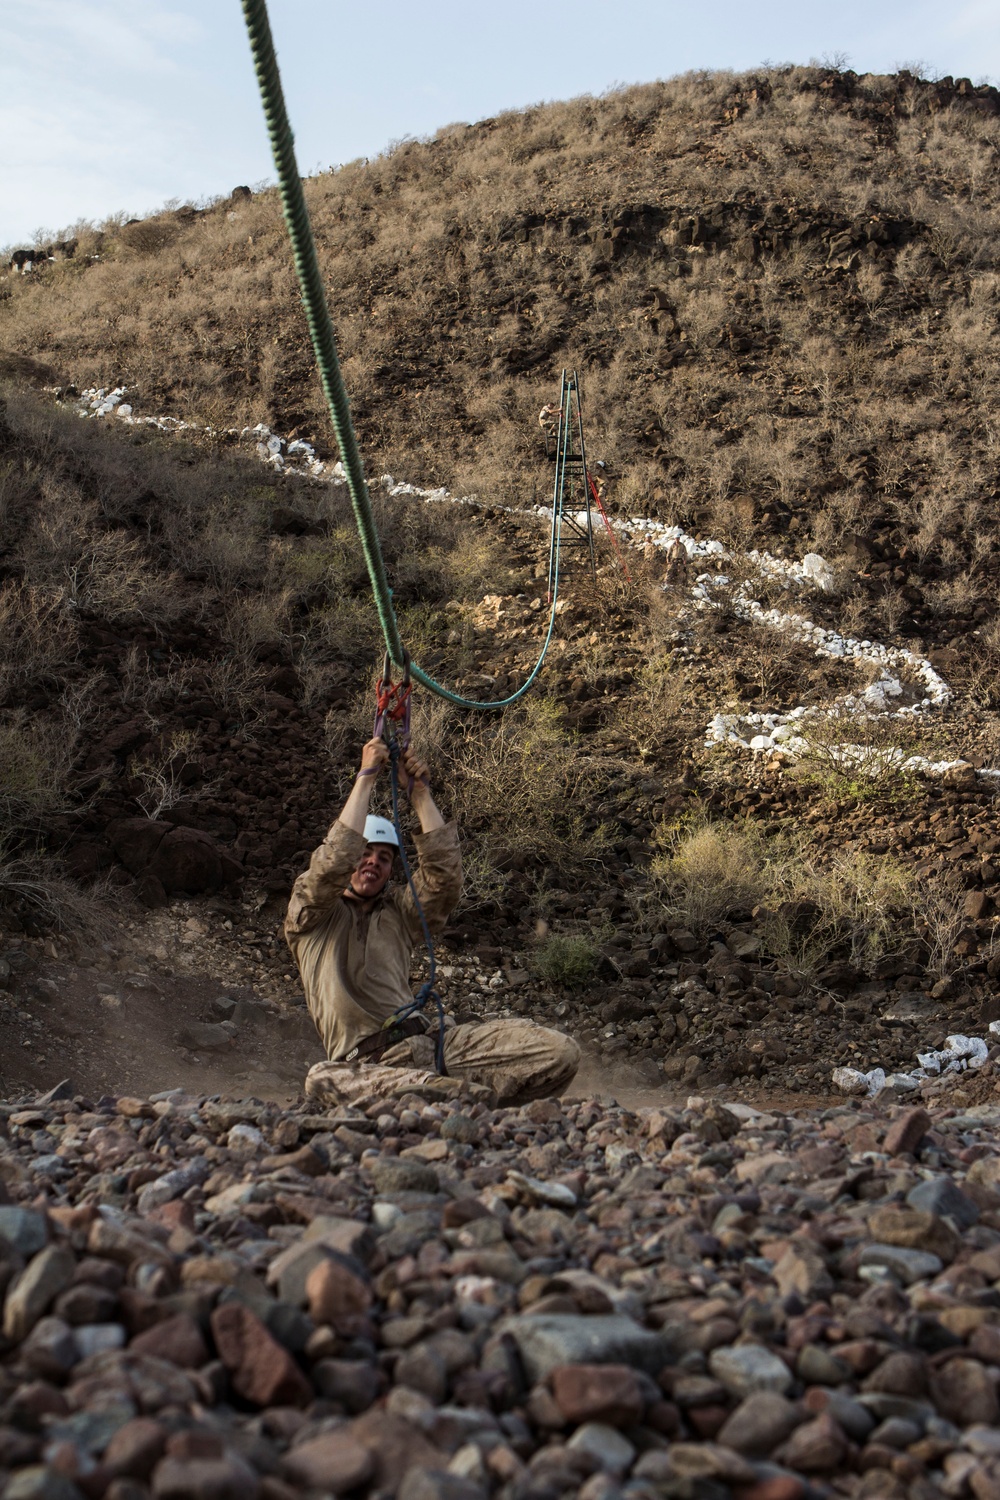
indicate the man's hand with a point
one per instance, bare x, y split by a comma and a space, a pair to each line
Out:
417, 769
374, 756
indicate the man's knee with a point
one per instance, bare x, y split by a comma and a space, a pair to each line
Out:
323, 1078
565, 1058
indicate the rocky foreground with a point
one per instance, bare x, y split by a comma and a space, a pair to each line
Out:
209, 1300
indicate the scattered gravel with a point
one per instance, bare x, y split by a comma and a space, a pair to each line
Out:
208, 1298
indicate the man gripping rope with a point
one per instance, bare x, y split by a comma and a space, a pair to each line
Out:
352, 935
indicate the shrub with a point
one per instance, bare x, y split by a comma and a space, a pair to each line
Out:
34, 886
160, 778
866, 756
522, 788
706, 872
35, 759
566, 961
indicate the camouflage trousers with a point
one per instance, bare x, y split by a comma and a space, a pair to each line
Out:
509, 1062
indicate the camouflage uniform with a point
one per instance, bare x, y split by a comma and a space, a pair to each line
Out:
354, 959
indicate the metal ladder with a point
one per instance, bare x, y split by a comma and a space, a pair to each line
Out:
572, 524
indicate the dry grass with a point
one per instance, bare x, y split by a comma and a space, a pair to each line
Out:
466, 269
809, 910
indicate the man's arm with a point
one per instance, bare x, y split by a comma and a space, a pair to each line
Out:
438, 877
421, 801
321, 886
374, 756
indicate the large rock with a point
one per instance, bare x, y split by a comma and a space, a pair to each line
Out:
598, 1393
545, 1341
261, 1371
746, 1368
190, 861
48, 1274
181, 859
136, 840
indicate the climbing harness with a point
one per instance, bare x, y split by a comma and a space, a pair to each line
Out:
325, 349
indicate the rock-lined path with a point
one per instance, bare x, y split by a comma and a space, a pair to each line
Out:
907, 684
207, 1300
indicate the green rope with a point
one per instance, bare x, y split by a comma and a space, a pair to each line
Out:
325, 348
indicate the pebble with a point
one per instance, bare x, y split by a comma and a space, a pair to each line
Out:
760, 1423
46, 1275
605, 1445
941, 1197
907, 1265
333, 1461
745, 1368
23, 1229
612, 1394
547, 1340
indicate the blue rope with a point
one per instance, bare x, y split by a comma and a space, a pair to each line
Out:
427, 990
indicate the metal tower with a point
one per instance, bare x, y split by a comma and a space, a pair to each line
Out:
572, 524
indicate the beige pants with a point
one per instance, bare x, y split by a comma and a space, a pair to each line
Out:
512, 1061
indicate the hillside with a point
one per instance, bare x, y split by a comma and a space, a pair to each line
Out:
781, 294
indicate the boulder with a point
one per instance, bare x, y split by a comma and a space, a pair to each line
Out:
165, 858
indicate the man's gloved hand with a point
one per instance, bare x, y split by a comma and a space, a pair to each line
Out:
374, 756
417, 769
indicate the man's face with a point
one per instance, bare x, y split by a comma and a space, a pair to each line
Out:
372, 870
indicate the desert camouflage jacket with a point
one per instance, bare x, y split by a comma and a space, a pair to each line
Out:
353, 956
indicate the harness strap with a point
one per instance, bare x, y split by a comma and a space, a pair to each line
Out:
371, 1048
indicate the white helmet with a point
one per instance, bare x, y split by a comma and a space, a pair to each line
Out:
380, 831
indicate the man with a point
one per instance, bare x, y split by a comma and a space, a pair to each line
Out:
352, 936
548, 420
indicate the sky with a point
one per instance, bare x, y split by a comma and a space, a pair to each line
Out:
109, 107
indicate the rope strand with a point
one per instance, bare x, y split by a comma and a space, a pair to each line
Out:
325, 349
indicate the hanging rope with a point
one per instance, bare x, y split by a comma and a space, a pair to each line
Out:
325, 348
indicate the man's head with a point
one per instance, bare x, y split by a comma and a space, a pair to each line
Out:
372, 871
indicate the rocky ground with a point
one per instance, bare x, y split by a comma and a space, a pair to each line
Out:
208, 1299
